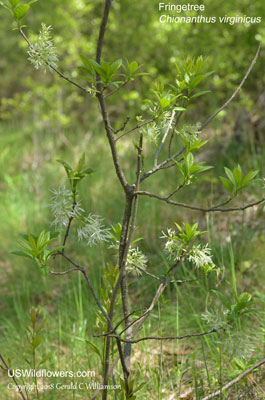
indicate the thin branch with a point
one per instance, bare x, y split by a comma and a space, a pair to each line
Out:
165, 137
162, 165
138, 126
167, 337
236, 380
102, 30
122, 127
156, 297
235, 92
119, 323
51, 66
175, 191
211, 209
117, 89
179, 282
64, 272
13, 377
82, 269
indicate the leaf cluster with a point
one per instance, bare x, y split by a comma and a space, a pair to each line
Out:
35, 248
17, 8
108, 72
77, 174
235, 181
189, 170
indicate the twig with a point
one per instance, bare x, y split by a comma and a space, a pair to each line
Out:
234, 381
82, 269
52, 67
138, 126
119, 323
168, 337
234, 94
164, 137
64, 272
156, 297
162, 165
13, 377
116, 90
122, 127
211, 209
179, 282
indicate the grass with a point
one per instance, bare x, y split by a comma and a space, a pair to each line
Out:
197, 365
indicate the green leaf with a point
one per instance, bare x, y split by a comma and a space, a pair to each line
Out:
22, 253
36, 342
14, 3
33, 316
200, 94
65, 164
93, 347
6, 7
189, 160
237, 175
249, 178
87, 171
20, 11
227, 184
164, 103
230, 175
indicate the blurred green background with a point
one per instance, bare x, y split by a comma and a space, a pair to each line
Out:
42, 118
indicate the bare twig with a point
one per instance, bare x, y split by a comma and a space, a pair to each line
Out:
119, 323
64, 272
122, 127
156, 297
210, 209
52, 67
138, 126
179, 282
167, 337
236, 380
82, 269
13, 377
235, 92
116, 90
162, 165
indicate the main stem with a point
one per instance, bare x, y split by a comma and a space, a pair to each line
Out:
123, 248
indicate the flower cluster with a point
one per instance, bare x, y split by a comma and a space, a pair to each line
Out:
151, 132
93, 230
201, 257
173, 246
62, 207
135, 259
43, 53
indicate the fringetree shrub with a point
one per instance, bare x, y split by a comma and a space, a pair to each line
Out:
161, 123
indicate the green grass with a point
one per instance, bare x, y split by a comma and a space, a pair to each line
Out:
29, 171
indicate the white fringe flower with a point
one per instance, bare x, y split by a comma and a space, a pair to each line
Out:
42, 54
135, 259
201, 256
93, 231
172, 246
62, 207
